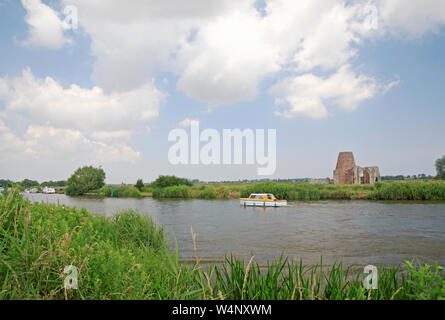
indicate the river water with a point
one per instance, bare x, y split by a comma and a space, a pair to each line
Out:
355, 232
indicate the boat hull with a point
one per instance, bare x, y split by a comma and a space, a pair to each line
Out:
259, 203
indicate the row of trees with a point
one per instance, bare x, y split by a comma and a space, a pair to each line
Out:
87, 179
27, 183
402, 177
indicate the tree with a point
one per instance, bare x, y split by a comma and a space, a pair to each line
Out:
169, 181
6, 183
29, 183
440, 168
84, 180
139, 184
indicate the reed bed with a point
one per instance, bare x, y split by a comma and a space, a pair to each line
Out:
432, 190
415, 190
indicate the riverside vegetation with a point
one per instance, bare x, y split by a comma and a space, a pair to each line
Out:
410, 190
127, 257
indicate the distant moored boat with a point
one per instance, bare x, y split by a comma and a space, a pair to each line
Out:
49, 190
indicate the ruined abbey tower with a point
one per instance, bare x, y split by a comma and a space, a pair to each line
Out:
347, 172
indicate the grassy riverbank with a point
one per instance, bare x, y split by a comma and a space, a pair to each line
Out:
127, 257
412, 190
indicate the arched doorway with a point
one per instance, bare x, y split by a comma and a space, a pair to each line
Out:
366, 177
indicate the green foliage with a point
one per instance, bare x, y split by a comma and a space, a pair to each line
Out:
288, 191
425, 282
409, 190
288, 280
61, 183
84, 180
29, 183
440, 168
6, 183
126, 257
139, 184
169, 181
122, 191
415, 190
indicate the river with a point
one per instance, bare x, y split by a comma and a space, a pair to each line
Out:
355, 232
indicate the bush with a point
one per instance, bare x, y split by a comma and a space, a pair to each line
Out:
84, 180
139, 184
169, 181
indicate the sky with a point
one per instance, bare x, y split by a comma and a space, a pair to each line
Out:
104, 82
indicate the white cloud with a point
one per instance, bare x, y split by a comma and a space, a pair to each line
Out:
387, 87
76, 123
45, 29
310, 95
222, 50
46, 102
411, 18
47, 144
11, 146
49, 141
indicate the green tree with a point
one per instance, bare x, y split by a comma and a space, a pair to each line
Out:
6, 183
440, 168
139, 184
170, 181
84, 180
29, 183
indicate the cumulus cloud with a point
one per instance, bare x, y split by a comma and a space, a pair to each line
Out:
45, 27
52, 141
75, 122
411, 18
46, 144
310, 95
47, 102
222, 50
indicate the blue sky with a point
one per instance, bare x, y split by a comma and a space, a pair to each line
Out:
141, 69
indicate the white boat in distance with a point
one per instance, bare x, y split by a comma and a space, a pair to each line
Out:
262, 200
49, 190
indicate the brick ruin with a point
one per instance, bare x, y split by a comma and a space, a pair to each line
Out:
347, 172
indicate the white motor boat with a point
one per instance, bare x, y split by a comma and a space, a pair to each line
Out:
262, 200
49, 190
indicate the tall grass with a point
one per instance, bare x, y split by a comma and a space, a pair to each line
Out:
307, 192
126, 257
120, 191
433, 190
289, 280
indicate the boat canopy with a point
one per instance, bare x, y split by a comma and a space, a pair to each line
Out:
260, 196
